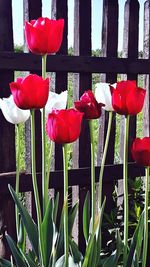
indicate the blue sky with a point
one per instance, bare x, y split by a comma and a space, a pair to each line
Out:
96, 21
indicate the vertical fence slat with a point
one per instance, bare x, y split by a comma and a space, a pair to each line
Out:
146, 112
35, 13
30, 12
84, 84
7, 155
109, 48
146, 54
60, 8
131, 31
85, 78
76, 77
7, 132
133, 53
61, 77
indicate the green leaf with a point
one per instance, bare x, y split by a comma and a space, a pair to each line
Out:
71, 218
98, 232
114, 257
32, 256
5, 263
30, 261
16, 253
76, 254
55, 210
136, 241
86, 217
22, 235
47, 232
59, 249
92, 261
60, 239
29, 224
91, 241
138, 247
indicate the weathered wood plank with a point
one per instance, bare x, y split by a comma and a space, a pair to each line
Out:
32, 12
109, 49
60, 9
146, 55
85, 83
77, 64
131, 34
111, 173
7, 133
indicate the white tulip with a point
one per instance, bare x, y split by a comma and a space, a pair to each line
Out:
57, 101
103, 95
11, 112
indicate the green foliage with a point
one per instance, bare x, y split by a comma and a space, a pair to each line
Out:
52, 238
18, 48
53, 232
86, 217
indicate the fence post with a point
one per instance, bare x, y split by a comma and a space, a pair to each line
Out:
146, 55
7, 132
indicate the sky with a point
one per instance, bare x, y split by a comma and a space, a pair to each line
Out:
96, 21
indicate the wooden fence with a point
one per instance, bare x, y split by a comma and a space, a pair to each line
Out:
82, 64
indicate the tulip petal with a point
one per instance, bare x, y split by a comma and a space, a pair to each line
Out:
30, 92
64, 126
44, 36
89, 106
103, 95
127, 98
141, 151
56, 101
11, 112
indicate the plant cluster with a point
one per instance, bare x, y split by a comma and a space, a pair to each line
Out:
52, 245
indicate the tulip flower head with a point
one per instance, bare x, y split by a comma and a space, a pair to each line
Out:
64, 126
30, 92
127, 98
141, 151
89, 106
103, 95
44, 36
56, 101
11, 112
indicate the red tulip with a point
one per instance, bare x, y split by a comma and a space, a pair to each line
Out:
44, 36
64, 126
30, 92
127, 98
89, 106
141, 151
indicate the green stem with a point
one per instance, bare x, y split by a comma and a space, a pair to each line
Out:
66, 243
35, 186
17, 177
44, 177
125, 181
49, 163
146, 219
92, 171
104, 158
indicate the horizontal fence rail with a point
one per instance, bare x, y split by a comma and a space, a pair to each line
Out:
112, 173
77, 64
